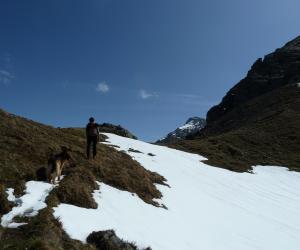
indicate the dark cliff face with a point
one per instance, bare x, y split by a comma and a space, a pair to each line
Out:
276, 70
258, 120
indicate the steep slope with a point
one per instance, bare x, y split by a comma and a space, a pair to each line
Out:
191, 127
258, 120
25, 147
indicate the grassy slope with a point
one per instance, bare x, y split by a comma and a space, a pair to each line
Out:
25, 147
263, 131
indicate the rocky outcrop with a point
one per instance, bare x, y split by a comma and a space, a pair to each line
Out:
116, 129
192, 126
275, 70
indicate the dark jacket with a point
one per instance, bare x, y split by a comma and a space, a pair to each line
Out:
92, 129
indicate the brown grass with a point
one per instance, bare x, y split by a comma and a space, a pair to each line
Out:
25, 147
42, 232
4, 204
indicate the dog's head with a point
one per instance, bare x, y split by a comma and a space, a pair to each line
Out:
66, 152
65, 149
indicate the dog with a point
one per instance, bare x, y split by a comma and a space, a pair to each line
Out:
56, 164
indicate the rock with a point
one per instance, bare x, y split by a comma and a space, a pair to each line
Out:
109, 241
116, 129
134, 151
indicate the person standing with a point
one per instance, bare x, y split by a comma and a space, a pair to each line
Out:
92, 136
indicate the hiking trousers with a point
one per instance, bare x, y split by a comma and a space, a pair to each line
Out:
91, 141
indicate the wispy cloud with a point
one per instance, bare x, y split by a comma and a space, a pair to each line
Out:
5, 77
146, 95
102, 87
194, 99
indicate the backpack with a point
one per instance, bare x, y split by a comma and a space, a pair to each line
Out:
92, 129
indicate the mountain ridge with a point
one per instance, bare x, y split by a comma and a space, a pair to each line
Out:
257, 120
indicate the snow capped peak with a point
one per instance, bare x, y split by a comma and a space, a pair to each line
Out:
193, 123
192, 126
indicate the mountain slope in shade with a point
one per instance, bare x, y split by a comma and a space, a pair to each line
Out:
192, 126
257, 122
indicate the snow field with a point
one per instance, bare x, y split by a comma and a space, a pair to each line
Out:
208, 207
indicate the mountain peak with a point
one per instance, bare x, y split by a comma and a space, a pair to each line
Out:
192, 126
194, 119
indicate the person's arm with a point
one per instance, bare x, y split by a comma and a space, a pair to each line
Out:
86, 130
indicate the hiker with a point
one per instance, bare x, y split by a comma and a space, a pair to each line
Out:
92, 136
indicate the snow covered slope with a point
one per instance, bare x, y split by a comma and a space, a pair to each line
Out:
207, 208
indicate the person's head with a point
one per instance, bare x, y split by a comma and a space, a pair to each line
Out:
92, 119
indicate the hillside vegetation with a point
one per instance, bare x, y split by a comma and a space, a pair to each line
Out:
25, 147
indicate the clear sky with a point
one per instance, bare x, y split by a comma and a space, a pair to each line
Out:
147, 65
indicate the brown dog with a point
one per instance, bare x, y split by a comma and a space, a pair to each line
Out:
56, 164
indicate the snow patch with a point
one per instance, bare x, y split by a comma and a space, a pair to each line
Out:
187, 126
27, 205
10, 193
208, 208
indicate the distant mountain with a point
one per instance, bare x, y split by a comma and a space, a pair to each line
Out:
192, 126
257, 122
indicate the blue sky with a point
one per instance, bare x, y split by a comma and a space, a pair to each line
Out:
147, 65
